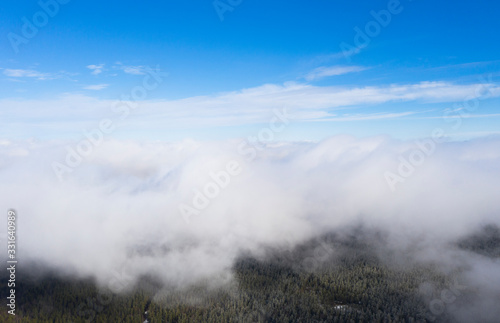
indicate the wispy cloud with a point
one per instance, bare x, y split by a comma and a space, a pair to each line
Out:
134, 70
466, 65
304, 101
131, 69
96, 87
465, 115
325, 71
368, 116
22, 73
96, 69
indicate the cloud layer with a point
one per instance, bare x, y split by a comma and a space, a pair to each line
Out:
119, 210
70, 113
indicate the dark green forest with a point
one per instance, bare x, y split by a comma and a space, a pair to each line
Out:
338, 278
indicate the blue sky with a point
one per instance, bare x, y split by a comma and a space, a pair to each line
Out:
222, 78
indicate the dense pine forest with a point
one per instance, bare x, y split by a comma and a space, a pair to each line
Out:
338, 278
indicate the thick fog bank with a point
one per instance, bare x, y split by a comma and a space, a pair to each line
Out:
186, 211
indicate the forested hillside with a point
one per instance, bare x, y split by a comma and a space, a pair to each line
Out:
333, 279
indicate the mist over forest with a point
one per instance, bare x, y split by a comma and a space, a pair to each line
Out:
132, 211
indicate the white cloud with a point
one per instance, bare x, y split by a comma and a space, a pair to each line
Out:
367, 116
96, 69
96, 87
465, 116
125, 197
130, 69
325, 71
29, 73
304, 102
134, 70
